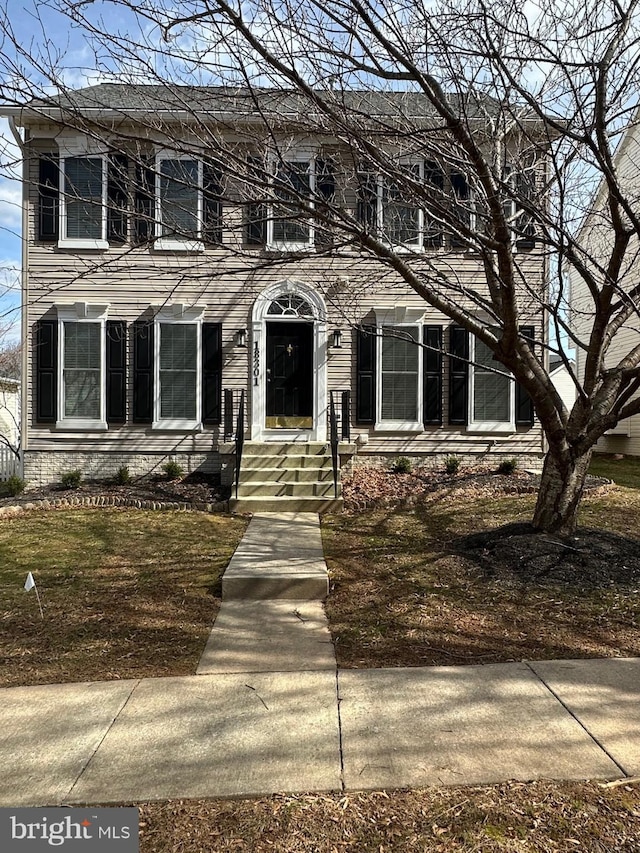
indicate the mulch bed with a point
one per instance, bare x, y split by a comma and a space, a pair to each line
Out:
197, 490
380, 487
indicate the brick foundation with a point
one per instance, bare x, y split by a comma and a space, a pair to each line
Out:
44, 468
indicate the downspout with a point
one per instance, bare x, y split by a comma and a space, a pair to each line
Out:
24, 384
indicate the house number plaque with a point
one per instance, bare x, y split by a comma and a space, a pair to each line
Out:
256, 362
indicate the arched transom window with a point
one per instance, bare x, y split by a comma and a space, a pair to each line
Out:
290, 305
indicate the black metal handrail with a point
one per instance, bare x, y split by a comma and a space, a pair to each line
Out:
239, 439
333, 438
345, 415
228, 414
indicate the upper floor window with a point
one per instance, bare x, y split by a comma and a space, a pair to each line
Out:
400, 220
389, 206
83, 195
293, 184
179, 202
520, 186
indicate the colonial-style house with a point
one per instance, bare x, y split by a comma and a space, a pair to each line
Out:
173, 311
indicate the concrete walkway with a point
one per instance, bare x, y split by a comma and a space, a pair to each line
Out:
269, 712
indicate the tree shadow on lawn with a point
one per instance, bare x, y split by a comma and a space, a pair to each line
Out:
586, 560
417, 593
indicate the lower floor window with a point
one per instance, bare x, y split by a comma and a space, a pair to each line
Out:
178, 373
82, 371
492, 390
399, 376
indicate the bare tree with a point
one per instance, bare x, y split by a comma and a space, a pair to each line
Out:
11, 360
521, 109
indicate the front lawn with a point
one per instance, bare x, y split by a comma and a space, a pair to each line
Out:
126, 593
406, 589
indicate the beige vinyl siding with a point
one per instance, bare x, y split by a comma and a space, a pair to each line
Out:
131, 280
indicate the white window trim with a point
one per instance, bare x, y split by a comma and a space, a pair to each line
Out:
81, 146
380, 184
171, 244
297, 156
180, 315
495, 427
82, 312
399, 317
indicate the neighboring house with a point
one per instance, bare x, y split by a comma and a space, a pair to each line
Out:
595, 236
153, 299
9, 427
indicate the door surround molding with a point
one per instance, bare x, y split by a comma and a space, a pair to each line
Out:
257, 360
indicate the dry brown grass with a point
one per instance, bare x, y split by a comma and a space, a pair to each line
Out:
126, 594
405, 594
542, 817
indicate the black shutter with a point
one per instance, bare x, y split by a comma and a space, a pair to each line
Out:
433, 234
256, 225
524, 403
143, 225
46, 359
458, 375
48, 197
212, 204
525, 229
432, 337
366, 375
142, 372
367, 212
462, 206
117, 201
116, 371
212, 373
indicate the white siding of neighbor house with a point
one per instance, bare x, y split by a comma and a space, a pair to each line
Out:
564, 385
226, 285
10, 412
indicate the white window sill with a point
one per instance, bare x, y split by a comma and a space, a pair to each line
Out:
66, 243
182, 426
290, 247
493, 427
79, 424
398, 426
163, 245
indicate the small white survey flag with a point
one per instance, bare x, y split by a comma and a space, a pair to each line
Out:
29, 583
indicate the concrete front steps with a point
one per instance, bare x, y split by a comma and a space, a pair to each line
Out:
286, 477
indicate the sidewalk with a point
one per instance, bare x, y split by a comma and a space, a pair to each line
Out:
268, 712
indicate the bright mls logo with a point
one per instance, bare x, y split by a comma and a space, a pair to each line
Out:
34, 830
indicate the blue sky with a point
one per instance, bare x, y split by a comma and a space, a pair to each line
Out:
40, 30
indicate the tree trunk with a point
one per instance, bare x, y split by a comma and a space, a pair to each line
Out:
560, 492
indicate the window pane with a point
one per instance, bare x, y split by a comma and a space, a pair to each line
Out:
178, 370
491, 391
296, 176
82, 370
179, 190
401, 221
83, 197
400, 364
